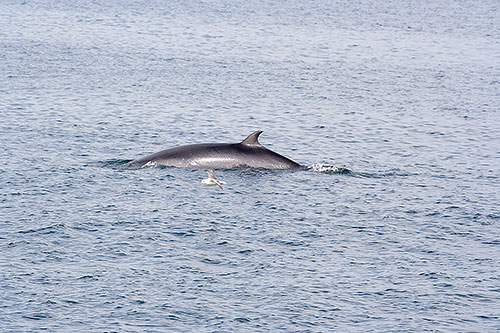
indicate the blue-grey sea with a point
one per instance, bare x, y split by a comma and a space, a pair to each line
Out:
394, 106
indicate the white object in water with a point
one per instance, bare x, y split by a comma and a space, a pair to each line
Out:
212, 180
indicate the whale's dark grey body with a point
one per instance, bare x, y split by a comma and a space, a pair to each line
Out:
247, 154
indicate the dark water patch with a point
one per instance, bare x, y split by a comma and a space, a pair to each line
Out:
310, 234
171, 317
491, 317
242, 320
288, 242
69, 301
44, 230
434, 275
211, 261
38, 316
382, 175
247, 251
188, 233
88, 278
493, 242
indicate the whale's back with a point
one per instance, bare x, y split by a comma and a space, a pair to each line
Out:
247, 154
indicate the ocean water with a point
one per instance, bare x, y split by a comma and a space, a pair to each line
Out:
393, 105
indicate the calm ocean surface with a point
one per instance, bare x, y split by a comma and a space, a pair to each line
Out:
394, 106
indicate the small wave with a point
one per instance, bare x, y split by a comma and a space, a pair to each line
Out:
333, 170
115, 163
329, 169
121, 164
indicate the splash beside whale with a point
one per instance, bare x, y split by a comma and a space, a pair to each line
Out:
247, 154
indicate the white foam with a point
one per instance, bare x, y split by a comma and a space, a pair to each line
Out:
322, 168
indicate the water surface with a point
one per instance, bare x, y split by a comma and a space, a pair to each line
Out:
394, 106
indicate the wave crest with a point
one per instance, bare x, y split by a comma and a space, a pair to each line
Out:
329, 169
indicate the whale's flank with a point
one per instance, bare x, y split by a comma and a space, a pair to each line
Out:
249, 153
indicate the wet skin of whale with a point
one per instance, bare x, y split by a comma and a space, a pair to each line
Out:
247, 154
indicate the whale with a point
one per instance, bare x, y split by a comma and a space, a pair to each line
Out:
247, 154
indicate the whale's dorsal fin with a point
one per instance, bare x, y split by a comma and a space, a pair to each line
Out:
252, 139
